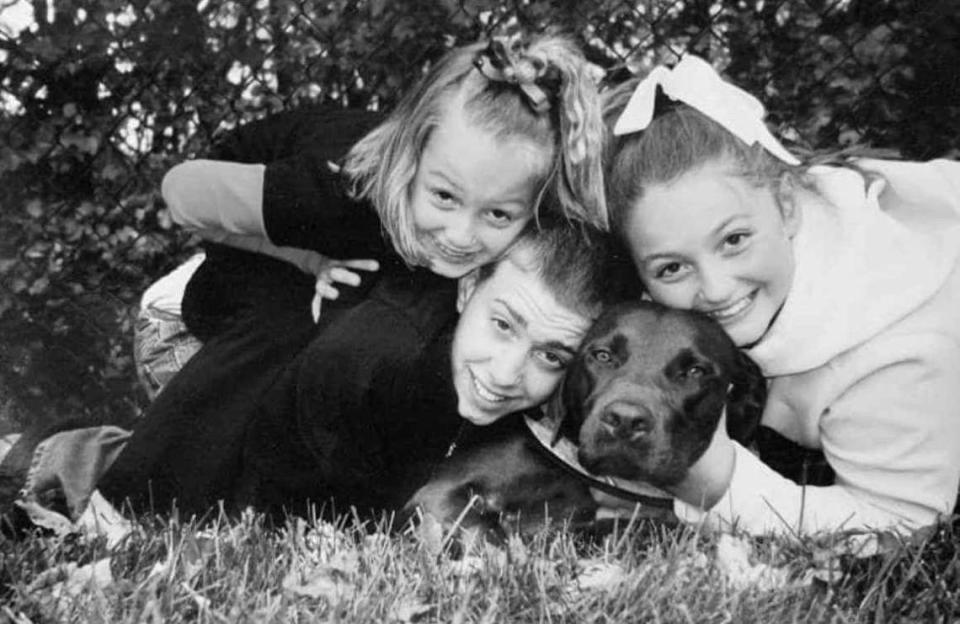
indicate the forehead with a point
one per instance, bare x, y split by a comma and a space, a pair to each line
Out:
692, 206
462, 148
515, 285
648, 331
656, 337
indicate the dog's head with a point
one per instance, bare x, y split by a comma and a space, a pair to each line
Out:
645, 394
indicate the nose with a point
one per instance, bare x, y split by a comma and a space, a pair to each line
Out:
716, 285
460, 230
506, 368
627, 421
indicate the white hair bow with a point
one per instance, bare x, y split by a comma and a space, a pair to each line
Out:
696, 83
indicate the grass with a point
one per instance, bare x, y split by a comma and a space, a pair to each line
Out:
241, 571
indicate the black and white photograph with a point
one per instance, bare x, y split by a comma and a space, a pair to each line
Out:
479, 311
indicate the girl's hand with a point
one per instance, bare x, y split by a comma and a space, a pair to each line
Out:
330, 271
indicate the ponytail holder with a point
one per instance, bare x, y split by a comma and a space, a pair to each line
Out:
696, 83
500, 62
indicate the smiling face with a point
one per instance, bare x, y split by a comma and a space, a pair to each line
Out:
473, 193
712, 241
513, 342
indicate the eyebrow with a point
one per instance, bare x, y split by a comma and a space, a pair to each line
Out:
550, 344
500, 202
723, 225
440, 174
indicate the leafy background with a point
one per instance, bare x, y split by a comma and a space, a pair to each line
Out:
98, 98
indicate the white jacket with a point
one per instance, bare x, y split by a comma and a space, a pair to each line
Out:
864, 359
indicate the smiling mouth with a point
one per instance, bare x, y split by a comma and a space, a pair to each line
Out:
485, 393
732, 311
453, 253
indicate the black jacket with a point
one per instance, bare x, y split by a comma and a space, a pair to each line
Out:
255, 417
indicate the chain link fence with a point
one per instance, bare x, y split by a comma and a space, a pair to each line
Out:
98, 98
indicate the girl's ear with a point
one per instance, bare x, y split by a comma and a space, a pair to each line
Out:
465, 287
789, 207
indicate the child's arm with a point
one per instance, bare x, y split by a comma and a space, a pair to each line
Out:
220, 201
216, 198
892, 435
277, 179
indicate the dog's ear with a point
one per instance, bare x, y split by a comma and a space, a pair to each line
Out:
566, 405
556, 413
745, 399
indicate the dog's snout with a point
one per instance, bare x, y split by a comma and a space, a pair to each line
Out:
627, 420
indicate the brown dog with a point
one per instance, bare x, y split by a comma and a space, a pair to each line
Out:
647, 390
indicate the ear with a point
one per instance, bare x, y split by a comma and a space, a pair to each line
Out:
570, 398
789, 206
465, 287
745, 399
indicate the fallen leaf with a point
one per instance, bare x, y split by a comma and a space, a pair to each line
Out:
598, 575
318, 583
100, 518
71, 580
733, 559
410, 610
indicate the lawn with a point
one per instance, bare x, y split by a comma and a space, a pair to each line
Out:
242, 571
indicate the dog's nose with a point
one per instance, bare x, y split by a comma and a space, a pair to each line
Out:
628, 421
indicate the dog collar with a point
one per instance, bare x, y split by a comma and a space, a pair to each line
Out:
564, 453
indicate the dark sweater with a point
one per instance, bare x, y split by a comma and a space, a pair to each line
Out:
305, 205
372, 389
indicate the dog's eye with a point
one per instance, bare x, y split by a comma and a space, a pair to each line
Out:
695, 372
602, 355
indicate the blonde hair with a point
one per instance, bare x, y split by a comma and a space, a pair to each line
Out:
382, 165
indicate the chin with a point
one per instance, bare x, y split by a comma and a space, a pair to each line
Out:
482, 419
451, 272
746, 334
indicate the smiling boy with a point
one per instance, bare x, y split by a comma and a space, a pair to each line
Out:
380, 395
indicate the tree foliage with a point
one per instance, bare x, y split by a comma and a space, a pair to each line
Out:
100, 97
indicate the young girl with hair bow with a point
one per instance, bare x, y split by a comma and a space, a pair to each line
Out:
840, 281
447, 182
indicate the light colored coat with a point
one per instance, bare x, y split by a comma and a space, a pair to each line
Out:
864, 358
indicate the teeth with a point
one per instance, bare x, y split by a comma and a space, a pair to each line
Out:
453, 252
731, 310
486, 394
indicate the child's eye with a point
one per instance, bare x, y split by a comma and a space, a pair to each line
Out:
552, 360
670, 271
735, 240
443, 196
501, 325
499, 217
